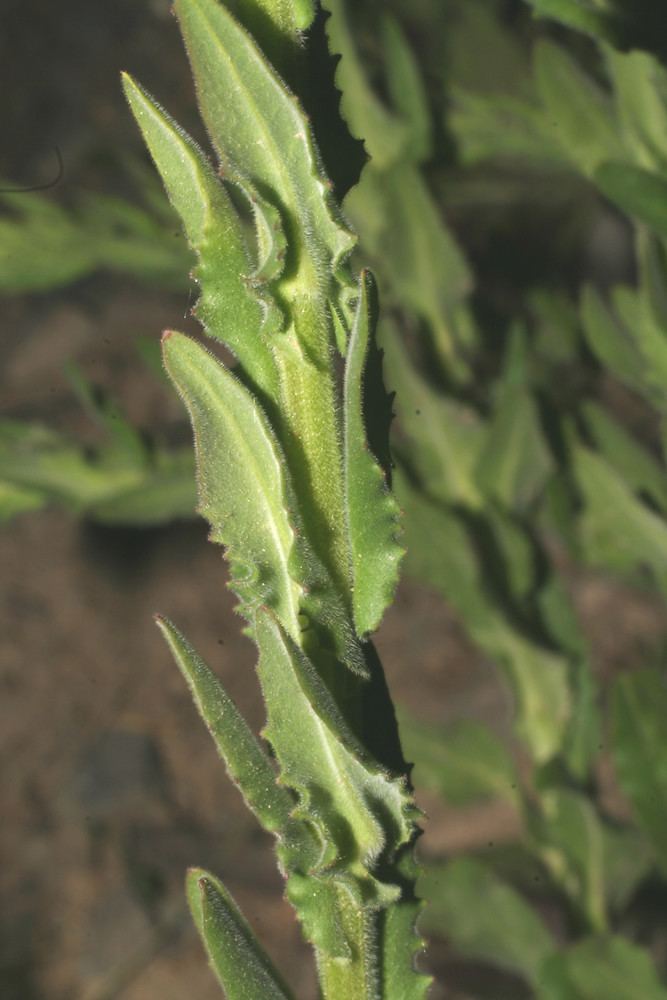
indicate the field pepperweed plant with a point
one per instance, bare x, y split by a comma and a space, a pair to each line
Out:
291, 488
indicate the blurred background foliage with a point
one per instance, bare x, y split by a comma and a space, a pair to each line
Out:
512, 201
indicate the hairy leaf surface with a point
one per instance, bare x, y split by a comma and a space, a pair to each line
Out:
242, 966
241, 478
372, 511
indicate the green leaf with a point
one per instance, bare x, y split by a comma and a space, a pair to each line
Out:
247, 764
484, 918
463, 763
419, 264
228, 309
578, 109
514, 463
582, 15
640, 470
372, 511
639, 710
617, 530
639, 192
538, 678
605, 966
243, 968
385, 135
18, 499
570, 841
241, 480
340, 788
407, 89
640, 95
260, 132
447, 435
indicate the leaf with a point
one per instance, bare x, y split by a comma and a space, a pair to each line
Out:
538, 678
260, 132
490, 126
242, 966
484, 918
448, 435
228, 309
384, 133
570, 841
17, 500
44, 246
241, 480
640, 470
341, 790
619, 346
617, 530
372, 511
419, 263
577, 108
247, 764
640, 95
605, 966
582, 15
514, 463
407, 89
463, 763
639, 192
639, 710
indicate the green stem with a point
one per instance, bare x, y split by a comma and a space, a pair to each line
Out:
359, 977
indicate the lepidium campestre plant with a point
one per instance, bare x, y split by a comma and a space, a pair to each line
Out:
291, 488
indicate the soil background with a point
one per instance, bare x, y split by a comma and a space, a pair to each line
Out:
111, 785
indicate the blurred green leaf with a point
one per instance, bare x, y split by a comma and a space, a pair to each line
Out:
515, 462
45, 246
484, 918
640, 470
418, 262
577, 109
464, 762
583, 15
639, 711
605, 966
617, 530
569, 839
640, 94
639, 192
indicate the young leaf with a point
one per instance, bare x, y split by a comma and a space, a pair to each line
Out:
228, 309
242, 966
259, 129
640, 95
247, 764
484, 918
372, 511
241, 479
639, 713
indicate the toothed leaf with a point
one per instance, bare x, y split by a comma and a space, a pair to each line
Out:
372, 511
242, 966
259, 129
229, 309
341, 789
247, 764
241, 481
